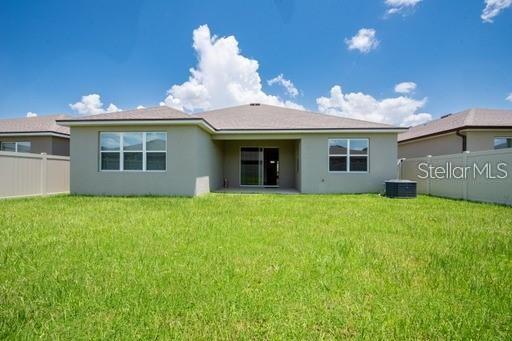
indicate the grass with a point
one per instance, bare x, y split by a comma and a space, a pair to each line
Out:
255, 266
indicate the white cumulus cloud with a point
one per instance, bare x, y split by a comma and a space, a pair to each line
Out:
223, 77
141, 107
31, 114
493, 8
365, 40
400, 110
400, 6
509, 97
405, 87
287, 84
92, 105
416, 119
112, 108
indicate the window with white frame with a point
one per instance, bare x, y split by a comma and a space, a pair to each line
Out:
19, 147
348, 155
502, 142
133, 151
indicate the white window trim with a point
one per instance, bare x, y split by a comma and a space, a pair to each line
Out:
16, 145
121, 153
348, 155
499, 137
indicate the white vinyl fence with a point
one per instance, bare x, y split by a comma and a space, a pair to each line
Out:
478, 176
25, 174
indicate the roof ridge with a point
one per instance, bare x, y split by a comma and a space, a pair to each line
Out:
469, 117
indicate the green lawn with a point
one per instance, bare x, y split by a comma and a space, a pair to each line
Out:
255, 266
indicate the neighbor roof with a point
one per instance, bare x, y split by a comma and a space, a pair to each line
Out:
33, 125
155, 113
250, 117
471, 118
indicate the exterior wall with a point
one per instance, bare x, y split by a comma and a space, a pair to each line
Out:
439, 145
210, 158
287, 164
476, 140
314, 165
197, 164
50, 145
189, 164
484, 140
60, 146
39, 144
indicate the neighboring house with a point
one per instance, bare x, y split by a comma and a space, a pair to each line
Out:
163, 151
470, 130
40, 134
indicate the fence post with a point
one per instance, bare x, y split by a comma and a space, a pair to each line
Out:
465, 183
429, 161
44, 171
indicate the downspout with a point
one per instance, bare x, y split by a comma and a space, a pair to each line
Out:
464, 140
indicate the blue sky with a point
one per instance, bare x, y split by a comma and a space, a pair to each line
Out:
132, 52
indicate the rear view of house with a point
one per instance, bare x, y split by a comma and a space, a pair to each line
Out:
470, 130
39, 134
163, 151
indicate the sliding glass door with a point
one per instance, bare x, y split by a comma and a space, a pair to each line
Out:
250, 166
259, 166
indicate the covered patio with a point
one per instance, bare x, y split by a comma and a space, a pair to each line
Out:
260, 166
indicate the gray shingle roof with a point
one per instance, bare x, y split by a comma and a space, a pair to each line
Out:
243, 117
38, 124
262, 117
481, 118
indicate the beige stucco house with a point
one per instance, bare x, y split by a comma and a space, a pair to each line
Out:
162, 151
39, 134
469, 130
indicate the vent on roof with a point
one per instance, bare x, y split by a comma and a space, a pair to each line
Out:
445, 116
254, 104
